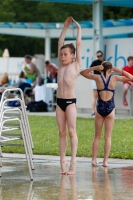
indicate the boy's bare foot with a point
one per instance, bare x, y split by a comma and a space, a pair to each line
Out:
63, 181
72, 180
72, 168
105, 164
63, 166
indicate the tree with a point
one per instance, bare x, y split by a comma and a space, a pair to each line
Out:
28, 11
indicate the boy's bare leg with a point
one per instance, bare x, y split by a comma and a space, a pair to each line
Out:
73, 188
61, 121
63, 183
98, 130
71, 114
109, 121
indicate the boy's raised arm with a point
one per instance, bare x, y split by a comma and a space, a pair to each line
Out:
78, 43
63, 34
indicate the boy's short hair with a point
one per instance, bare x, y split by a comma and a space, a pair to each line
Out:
70, 46
129, 58
47, 62
28, 57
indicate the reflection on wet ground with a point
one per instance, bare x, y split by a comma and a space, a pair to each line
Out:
89, 183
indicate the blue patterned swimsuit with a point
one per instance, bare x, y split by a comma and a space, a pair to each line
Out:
104, 108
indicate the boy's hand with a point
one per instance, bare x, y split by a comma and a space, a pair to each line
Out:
76, 23
68, 22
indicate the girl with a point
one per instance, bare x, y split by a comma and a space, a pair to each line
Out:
105, 110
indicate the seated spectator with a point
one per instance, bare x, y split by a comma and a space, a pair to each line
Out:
128, 68
22, 79
26, 88
24, 85
30, 69
4, 80
51, 72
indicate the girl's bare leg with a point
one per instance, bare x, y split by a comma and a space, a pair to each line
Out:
96, 185
107, 185
61, 121
98, 130
94, 99
71, 115
109, 121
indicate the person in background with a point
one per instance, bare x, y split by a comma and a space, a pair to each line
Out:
30, 69
4, 80
21, 80
51, 71
126, 85
100, 59
23, 84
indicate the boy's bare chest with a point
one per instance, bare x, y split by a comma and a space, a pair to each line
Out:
66, 72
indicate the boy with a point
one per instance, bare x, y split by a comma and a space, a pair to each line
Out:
66, 100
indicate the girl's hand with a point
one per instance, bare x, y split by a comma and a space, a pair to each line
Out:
68, 22
117, 69
99, 68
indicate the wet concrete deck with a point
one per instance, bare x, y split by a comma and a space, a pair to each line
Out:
89, 183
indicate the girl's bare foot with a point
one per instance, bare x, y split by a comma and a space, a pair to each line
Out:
63, 166
72, 168
94, 163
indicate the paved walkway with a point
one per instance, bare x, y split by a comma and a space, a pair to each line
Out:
113, 162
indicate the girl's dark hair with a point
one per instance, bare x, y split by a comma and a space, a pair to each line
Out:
107, 65
21, 75
70, 46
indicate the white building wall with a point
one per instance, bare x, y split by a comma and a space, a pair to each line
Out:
115, 50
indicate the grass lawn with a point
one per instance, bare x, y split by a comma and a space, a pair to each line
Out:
46, 141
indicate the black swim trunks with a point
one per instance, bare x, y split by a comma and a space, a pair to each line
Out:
63, 103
